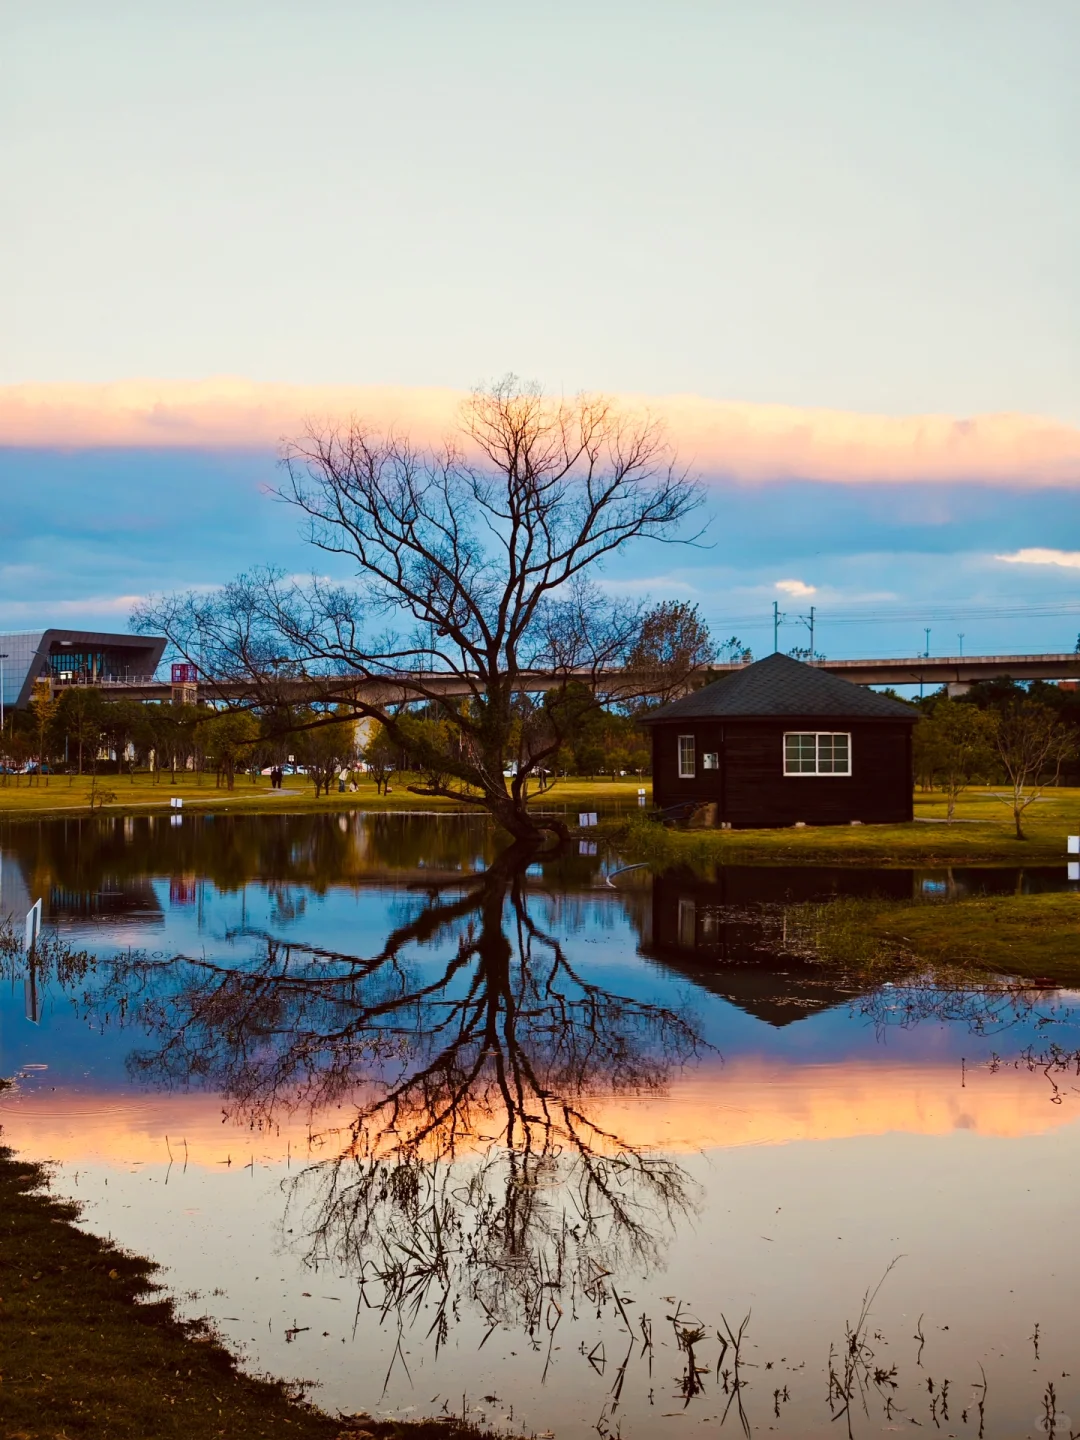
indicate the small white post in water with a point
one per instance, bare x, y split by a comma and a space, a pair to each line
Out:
33, 926
30, 993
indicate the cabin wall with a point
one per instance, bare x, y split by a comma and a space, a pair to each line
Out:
751, 789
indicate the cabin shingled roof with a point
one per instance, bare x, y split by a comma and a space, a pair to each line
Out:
779, 685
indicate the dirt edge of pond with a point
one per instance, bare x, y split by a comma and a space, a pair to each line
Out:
90, 1345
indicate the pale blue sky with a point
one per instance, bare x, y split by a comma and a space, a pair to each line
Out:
866, 204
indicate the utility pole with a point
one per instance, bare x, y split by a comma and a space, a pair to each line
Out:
961, 639
926, 652
808, 621
777, 621
3, 657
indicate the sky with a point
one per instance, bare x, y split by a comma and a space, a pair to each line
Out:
832, 244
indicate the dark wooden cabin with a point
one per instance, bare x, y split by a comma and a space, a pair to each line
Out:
781, 742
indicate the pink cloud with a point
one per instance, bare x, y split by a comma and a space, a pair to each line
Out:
747, 443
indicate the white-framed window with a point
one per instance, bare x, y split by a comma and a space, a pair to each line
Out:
817, 752
686, 757
710, 760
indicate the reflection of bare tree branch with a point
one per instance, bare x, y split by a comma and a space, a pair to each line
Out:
473, 1166
987, 1008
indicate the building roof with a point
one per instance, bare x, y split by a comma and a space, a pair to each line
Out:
779, 685
25, 655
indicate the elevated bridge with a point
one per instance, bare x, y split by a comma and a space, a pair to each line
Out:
958, 672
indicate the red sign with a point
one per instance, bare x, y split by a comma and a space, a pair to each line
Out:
185, 674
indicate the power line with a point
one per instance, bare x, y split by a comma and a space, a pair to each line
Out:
1067, 610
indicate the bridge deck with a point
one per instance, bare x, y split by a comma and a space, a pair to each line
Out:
952, 670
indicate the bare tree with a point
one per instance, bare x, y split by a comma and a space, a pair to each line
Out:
470, 576
1032, 745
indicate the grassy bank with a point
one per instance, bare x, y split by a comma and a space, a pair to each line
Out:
144, 793
1034, 938
982, 833
89, 1347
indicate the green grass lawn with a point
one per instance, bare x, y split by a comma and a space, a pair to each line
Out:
1033, 938
982, 833
66, 795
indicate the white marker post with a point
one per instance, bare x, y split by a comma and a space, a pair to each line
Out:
31, 1006
33, 927
1072, 846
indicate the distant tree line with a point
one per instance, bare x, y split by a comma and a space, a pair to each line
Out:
85, 731
1021, 737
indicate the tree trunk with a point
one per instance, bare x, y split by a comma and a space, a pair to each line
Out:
511, 810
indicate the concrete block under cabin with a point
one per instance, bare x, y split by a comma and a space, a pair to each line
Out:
783, 743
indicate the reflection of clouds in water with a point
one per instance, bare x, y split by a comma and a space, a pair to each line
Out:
510, 1120
747, 1101
497, 1050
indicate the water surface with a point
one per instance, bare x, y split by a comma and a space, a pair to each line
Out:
430, 1127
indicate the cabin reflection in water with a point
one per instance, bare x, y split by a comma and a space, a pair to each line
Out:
718, 933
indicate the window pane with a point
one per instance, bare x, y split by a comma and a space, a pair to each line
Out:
686, 757
833, 754
709, 760
800, 754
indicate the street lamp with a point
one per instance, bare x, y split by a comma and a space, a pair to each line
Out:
3, 657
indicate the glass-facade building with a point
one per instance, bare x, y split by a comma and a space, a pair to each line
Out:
74, 657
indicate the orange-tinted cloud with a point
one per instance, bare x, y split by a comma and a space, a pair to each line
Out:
746, 1102
745, 442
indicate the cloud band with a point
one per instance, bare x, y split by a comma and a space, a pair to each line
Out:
740, 442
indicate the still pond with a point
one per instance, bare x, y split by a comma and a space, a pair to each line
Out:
570, 1146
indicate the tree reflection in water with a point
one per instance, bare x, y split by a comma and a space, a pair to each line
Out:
471, 1176
471, 1169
